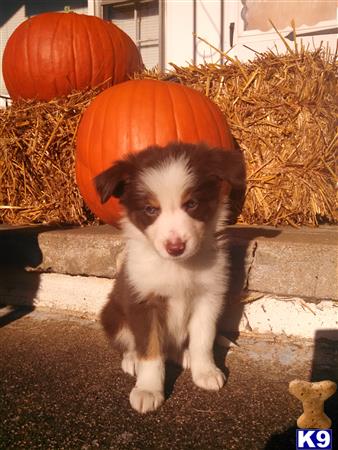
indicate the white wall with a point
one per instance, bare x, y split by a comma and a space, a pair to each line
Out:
179, 41
178, 32
208, 25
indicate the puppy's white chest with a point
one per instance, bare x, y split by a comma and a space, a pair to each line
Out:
179, 310
160, 278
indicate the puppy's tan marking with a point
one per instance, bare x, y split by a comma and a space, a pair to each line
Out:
186, 196
154, 347
152, 201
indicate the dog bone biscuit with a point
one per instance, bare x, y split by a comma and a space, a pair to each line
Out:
313, 396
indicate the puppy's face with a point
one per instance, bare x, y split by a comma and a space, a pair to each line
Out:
173, 194
173, 206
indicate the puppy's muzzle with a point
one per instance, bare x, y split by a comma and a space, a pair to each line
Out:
176, 247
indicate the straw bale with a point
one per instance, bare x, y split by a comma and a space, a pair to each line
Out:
37, 170
281, 109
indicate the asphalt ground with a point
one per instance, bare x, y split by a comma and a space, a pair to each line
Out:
61, 387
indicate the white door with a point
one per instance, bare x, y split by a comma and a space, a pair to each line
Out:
248, 26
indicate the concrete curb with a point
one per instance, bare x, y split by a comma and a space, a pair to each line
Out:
85, 296
79, 295
73, 269
277, 261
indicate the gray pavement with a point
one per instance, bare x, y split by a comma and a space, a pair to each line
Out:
61, 387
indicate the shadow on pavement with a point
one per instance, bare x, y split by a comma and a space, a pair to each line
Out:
324, 367
239, 243
19, 248
13, 313
172, 372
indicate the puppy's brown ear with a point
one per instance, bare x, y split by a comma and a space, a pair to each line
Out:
111, 182
229, 166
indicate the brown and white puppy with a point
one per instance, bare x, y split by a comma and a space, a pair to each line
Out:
170, 291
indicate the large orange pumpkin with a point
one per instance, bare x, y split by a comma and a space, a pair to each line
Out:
52, 54
133, 115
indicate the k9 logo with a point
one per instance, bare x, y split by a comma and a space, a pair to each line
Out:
314, 439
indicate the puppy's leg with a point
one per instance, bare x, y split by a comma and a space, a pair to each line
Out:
186, 359
202, 333
129, 362
114, 322
125, 342
148, 393
181, 358
129, 357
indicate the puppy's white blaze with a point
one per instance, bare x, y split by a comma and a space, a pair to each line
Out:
168, 181
172, 226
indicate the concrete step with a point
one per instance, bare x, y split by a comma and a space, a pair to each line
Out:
281, 261
283, 281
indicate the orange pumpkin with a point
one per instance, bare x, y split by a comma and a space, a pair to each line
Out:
133, 115
52, 54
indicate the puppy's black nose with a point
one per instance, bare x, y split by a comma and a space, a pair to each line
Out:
175, 248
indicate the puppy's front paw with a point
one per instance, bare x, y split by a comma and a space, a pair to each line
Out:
186, 359
211, 379
129, 363
145, 401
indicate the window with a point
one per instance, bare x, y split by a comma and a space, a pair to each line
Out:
141, 21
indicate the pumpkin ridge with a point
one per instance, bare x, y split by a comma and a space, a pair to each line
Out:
173, 111
116, 67
26, 58
130, 104
187, 96
100, 56
11, 81
155, 113
139, 93
74, 62
167, 120
111, 36
105, 116
86, 139
90, 59
131, 62
52, 47
40, 76
124, 47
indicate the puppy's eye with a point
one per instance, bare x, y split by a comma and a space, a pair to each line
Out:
190, 205
151, 210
